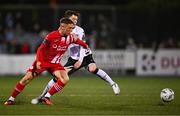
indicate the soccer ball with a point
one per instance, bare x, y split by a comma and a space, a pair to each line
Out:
34, 101
167, 95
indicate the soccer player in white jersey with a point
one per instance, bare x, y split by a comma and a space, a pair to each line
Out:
80, 57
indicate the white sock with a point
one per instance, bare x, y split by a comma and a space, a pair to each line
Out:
48, 86
48, 95
12, 98
103, 75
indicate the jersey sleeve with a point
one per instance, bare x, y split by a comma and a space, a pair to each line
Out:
81, 35
39, 54
48, 39
42, 48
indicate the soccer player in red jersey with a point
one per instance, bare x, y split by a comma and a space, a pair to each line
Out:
48, 58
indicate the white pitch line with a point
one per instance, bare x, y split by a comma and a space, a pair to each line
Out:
87, 95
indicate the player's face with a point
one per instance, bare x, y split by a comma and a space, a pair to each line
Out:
69, 29
63, 28
66, 29
74, 19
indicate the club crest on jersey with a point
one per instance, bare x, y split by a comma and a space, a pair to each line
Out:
63, 39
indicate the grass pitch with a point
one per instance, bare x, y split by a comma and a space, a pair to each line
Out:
92, 96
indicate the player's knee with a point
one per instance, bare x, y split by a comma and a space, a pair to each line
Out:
66, 79
26, 79
62, 76
93, 69
34, 74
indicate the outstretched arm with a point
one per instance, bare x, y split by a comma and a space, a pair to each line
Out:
76, 40
80, 42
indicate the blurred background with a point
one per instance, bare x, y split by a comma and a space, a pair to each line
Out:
128, 36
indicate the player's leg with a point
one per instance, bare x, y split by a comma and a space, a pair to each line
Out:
68, 67
52, 82
62, 80
48, 86
100, 73
19, 88
31, 73
104, 76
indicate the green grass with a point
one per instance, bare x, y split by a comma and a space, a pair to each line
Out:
92, 96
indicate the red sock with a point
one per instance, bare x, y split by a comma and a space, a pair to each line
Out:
56, 87
19, 87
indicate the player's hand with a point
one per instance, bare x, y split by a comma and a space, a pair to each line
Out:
38, 65
77, 64
87, 47
75, 36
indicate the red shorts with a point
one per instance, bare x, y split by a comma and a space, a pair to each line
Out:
50, 67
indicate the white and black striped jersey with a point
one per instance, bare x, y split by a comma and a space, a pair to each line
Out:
77, 52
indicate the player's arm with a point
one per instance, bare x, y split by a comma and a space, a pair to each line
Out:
40, 51
39, 57
81, 51
76, 40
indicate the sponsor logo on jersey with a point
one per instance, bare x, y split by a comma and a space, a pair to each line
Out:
63, 39
59, 48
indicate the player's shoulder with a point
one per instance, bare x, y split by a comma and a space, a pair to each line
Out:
53, 35
78, 28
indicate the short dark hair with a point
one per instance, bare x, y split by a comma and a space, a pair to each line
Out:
69, 13
66, 20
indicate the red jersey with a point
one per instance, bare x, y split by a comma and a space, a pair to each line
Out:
54, 47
